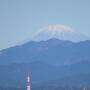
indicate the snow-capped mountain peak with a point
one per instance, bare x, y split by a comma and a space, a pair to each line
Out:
59, 31
58, 28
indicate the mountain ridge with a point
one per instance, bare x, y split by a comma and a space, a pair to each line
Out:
51, 51
15, 74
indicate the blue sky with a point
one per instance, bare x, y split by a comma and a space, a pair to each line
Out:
19, 19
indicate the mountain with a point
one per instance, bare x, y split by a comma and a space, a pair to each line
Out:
77, 75
51, 62
43, 74
14, 75
52, 51
61, 32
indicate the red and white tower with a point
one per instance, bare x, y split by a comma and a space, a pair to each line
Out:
28, 83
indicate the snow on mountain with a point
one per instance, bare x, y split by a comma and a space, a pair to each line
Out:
58, 31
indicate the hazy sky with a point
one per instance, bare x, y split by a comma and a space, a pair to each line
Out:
19, 19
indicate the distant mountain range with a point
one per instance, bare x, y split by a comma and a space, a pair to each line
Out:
54, 62
42, 74
52, 51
